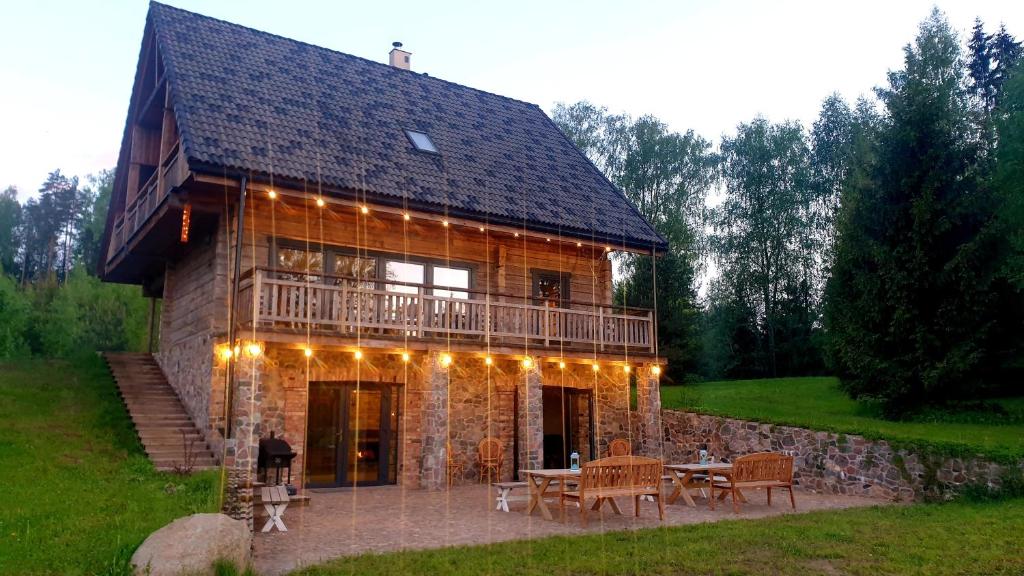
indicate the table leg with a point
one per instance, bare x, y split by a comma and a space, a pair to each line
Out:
532, 483
677, 487
544, 510
687, 479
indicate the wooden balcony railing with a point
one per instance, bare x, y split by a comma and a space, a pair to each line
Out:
345, 306
151, 195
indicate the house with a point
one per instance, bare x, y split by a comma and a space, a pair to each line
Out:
378, 266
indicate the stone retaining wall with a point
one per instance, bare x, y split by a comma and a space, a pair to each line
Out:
829, 462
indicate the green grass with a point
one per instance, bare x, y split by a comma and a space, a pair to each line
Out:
77, 494
928, 539
818, 403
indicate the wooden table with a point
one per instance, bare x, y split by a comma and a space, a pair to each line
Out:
539, 481
683, 482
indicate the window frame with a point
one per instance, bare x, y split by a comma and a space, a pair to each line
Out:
408, 134
564, 279
381, 257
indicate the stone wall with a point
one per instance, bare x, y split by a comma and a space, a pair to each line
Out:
829, 462
458, 405
193, 320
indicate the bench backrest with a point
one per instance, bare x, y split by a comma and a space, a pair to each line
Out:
762, 467
621, 472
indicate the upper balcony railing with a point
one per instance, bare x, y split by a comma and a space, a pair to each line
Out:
151, 195
346, 307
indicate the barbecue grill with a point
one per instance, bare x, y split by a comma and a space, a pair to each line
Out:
275, 454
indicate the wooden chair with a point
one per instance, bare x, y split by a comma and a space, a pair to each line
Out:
615, 477
455, 465
492, 456
620, 447
762, 470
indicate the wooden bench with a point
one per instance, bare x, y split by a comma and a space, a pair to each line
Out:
275, 500
503, 496
766, 470
616, 477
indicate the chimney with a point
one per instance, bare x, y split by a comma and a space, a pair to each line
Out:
399, 58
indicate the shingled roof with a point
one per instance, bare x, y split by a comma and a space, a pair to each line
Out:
251, 102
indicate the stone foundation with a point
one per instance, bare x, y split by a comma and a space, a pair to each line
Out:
828, 462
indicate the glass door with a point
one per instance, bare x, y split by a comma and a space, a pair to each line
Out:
351, 434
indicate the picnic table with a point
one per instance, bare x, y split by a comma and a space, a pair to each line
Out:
686, 477
539, 481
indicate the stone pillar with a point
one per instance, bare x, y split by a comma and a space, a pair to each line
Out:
531, 418
648, 407
434, 423
243, 444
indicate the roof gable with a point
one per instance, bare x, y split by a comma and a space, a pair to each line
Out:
253, 102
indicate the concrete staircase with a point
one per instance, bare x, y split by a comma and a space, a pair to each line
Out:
161, 422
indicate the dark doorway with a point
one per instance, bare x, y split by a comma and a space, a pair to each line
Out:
351, 438
568, 425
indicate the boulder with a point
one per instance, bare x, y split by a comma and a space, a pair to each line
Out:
192, 544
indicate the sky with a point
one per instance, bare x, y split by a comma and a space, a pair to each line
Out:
67, 66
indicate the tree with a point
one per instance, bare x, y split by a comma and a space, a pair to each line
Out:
667, 176
762, 230
992, 57
10, 225
911, 310
979, 66
95, 201
1009, 186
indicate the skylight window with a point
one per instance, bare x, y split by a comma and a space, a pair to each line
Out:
421, 141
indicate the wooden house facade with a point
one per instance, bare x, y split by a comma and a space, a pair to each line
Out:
378, 266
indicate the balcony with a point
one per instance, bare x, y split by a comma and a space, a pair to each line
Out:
346, 307
150, 198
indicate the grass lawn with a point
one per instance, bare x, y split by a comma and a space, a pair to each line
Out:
934, 539
78, 493
819, 403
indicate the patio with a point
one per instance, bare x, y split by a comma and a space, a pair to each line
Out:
387, 518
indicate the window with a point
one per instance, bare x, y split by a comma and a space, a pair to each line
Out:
421, 141
551, 289
404, 272
380, 271
451, 278
300, 261
355, 267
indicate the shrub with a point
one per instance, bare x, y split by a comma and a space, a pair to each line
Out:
86, 315
15, 310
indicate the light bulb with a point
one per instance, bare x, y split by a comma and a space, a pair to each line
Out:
446, 360
579, 244
358, 354
308, 352
488, 360
656, 370
561, 365
595, 367
405, 357
320, 202
364, 209
254, 349
406, 217
225, 353
444, 223
527, 363
272, 194
626, 369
